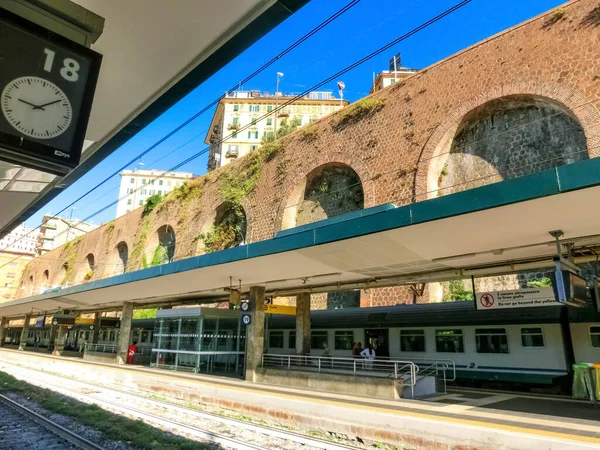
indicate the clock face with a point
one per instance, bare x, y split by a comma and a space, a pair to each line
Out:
36, 107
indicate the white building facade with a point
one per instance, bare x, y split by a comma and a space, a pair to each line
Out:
56, 231
245, 108
20, 240
138, 185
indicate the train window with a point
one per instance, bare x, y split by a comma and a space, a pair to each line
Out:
144, 338
449, 341
318, 340
292, 340
344, 340
595, 336
276, 339
491, 340
412, 340
532, 337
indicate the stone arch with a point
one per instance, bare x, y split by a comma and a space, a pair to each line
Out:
545, 99
161, 247
226, 227
45, 281
29, 287
61, 276
293, 195
328, 190
117, 259
85, 269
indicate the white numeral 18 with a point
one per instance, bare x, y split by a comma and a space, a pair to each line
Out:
70, 68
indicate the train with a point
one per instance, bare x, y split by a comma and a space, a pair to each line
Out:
534, 346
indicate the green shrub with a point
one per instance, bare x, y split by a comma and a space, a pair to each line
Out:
151, 202
357, 112
544, 282
457, 292
161, 256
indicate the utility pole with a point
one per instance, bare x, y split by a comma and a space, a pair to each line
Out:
279, 75
69, 227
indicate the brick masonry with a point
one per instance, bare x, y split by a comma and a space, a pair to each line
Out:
396, 152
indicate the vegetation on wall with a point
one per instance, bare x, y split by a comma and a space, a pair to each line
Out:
283, 129
69, 256
544, 282
161, 255
356, 112
220, 237
137, 251
151, 203
88, 275
457, 292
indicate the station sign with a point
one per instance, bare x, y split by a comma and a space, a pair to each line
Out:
63, 321
246, 319
244, 306
518, 298
280, 309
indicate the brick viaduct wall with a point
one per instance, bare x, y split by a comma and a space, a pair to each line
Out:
395, 144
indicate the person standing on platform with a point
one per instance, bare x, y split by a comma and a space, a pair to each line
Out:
369, 354
131, 350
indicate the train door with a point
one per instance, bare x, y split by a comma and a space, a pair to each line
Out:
379, 340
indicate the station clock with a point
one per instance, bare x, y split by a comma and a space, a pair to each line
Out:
47, 86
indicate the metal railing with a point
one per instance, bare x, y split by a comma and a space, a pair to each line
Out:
406, 371
100, 348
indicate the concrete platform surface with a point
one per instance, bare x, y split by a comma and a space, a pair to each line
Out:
459, 420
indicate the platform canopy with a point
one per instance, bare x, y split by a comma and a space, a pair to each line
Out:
154, 53
492, 230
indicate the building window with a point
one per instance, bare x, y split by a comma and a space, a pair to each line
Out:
344, 340
318, 339
143, 191
269, 121
236, 107
276, 339
292, 340
449, 341
412, 340
234, 134
141, 202
160, 182
254, 108
269, 108
151, 181
129, 201
299, 121
143, 181
256, 135
10, 275
159, 192
132, 180
532, 337
253, 121
235, 120
253, 147
491, 340
169, 183
152, 191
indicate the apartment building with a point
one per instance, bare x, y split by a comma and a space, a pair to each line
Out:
256, 110
56, 231
137, 185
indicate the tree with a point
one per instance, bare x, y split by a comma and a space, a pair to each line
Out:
457, 292
149, 313
284, 129
544, 282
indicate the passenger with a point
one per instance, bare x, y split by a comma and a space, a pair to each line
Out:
369, 354
36, 341
131, 352
356, 349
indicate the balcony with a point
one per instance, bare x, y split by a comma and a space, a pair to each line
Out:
233, 126
284, 112
232, 153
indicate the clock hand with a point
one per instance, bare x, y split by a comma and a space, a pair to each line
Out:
47, 104
30, 104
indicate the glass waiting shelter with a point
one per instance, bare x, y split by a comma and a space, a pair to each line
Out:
199, 340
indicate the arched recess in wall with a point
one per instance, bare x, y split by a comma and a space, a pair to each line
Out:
161, 247
227, 228
45, 281
504, 138
84, 270
30, 286
61, 276
329, 190
122, 253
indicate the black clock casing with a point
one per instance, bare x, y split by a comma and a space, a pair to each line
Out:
28, 50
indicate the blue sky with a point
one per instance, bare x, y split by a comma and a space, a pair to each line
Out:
366, 27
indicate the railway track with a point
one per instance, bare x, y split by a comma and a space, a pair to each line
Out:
23, 428
232, 433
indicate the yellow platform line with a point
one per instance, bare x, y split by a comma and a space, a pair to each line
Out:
496, 426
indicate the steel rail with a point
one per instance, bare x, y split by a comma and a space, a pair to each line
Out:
214, 437
79, 441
